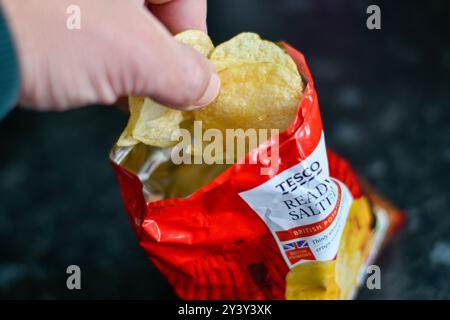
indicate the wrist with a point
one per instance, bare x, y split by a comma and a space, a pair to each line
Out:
9, 66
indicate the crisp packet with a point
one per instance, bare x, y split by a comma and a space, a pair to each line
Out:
307, 229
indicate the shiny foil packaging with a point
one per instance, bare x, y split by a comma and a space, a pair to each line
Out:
306, 229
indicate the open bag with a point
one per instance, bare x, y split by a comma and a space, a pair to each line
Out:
307, 229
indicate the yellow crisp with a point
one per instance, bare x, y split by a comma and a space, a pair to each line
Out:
261, 89
253, 95
198, 40
248, 47
312, 281
261, 86
336, 279
354, 246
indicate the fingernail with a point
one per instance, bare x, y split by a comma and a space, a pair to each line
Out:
210, 94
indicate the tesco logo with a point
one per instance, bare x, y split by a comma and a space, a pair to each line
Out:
300, 178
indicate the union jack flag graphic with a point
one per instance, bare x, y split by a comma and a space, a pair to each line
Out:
295, 245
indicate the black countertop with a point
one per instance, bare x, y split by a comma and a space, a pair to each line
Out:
384, 98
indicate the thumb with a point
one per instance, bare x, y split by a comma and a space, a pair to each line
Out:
172, 73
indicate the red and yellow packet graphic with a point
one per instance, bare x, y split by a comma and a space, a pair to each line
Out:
306, 230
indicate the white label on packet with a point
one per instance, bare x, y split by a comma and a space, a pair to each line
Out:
304, 208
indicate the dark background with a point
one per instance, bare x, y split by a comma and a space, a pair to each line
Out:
385, 103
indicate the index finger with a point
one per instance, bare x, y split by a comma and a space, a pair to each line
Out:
180, 15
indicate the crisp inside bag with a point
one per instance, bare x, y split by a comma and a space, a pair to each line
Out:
306, 229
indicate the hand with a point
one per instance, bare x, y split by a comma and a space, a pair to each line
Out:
121, 49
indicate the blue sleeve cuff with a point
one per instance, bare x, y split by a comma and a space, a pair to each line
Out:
9, 69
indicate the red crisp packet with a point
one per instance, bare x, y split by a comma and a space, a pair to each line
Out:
306, 230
